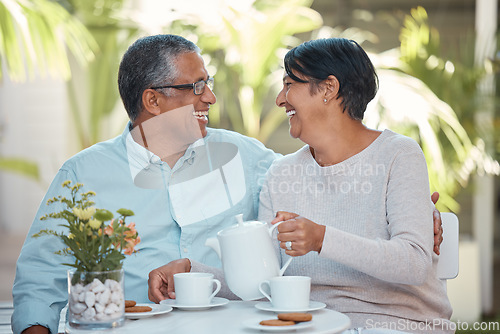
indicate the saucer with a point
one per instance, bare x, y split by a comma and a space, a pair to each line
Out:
255, 324
156, 309
216, 301
267, 306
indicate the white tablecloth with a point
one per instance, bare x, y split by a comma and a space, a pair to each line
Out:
223, 319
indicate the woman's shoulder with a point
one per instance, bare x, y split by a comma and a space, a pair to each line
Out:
395, 142
296, 157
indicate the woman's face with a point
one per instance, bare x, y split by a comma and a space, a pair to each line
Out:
302, 108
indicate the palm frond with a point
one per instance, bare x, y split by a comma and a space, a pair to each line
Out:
35, 36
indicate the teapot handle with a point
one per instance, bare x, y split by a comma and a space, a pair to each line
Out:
273, 227
282, 270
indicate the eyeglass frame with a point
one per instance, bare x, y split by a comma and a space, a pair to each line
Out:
209, 82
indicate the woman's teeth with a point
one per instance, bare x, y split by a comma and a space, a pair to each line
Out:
290, 113
200, 114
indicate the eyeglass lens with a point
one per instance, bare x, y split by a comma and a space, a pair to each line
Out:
199, 87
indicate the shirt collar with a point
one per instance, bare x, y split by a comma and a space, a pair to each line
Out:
140, 158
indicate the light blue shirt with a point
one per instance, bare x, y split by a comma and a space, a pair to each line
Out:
176, 210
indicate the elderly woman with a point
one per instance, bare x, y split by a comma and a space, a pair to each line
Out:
355, 201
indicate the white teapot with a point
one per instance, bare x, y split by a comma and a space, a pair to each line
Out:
248, 256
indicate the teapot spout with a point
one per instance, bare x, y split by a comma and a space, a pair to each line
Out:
214, 244
282, 270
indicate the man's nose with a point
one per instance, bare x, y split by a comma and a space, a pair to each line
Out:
209, 96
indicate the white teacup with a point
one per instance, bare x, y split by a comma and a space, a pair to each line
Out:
288, 292
195, 289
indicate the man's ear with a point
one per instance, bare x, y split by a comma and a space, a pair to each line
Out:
150, 100
332, 86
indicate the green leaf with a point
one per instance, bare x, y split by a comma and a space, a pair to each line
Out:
20, 166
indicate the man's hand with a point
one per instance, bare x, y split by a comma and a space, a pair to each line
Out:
161, 280
37, 329
438, 225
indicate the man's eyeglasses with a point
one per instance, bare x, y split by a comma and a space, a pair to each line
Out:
198, 87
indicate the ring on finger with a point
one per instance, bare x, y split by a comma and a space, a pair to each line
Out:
288, 245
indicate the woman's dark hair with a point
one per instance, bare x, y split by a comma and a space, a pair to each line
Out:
346, 60
149, 62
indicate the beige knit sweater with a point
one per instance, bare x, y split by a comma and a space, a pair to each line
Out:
376, 264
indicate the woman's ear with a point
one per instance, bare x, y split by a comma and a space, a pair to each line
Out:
150, 100
332, 86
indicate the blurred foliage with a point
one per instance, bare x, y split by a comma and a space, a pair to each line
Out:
246, 45
20, 166
35, 36
92, 102
433, 98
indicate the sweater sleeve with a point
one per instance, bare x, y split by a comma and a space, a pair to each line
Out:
406, 257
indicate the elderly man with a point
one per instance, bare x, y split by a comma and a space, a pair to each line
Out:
184, 181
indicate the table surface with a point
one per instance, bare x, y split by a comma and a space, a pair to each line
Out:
224, 319
221, 319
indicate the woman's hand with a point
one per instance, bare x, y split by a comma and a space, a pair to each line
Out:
305, 236
161, 280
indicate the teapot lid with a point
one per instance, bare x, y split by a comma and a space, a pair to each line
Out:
241, 227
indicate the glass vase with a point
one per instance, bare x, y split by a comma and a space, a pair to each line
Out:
96, 299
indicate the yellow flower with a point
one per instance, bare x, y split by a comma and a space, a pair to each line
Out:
95, 224
88, 227
84, 214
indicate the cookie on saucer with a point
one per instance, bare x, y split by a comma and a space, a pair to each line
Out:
276, 322
296, 316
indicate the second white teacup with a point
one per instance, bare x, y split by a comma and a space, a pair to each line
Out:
195, 289
287, 292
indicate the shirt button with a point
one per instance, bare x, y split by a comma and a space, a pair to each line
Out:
185, 250
155, 159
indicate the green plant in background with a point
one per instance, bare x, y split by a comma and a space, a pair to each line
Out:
93, 99
432, 99
35, 36
245, 49
20, 166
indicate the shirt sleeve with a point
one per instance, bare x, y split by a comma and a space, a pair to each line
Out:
262, 160
406, 257
40, 286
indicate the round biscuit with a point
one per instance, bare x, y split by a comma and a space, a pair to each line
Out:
130, 303
276, 322
295, 316
136, 309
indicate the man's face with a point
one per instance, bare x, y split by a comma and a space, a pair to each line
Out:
191, 69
